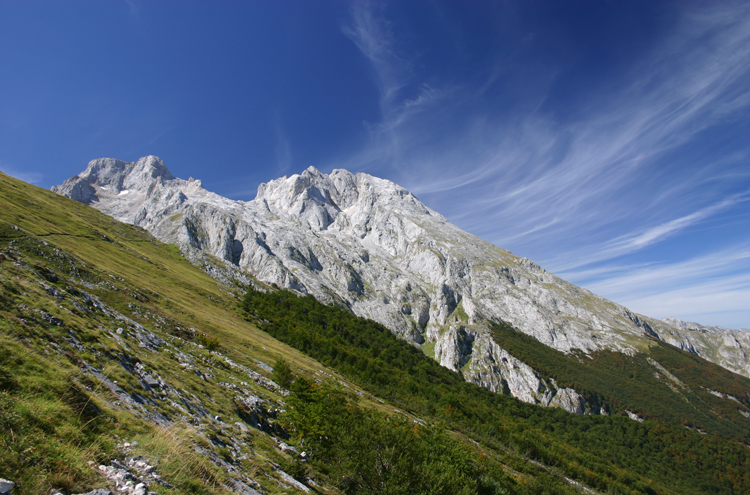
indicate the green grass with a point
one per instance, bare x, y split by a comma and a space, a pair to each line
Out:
49, 427
56, 417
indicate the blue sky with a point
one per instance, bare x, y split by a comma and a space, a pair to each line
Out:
607, 141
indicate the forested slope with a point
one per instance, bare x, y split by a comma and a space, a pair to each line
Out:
606, 452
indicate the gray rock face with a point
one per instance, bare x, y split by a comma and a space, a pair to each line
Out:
6, 486
724, 346
371, 246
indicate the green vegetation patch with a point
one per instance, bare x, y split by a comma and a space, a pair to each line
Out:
47, 422
605, 452
109, 336
618, 382
363, 451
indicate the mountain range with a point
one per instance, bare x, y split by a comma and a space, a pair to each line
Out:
125, 368
372, 247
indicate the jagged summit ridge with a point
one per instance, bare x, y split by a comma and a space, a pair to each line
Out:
114, 175
370, 245
320, 199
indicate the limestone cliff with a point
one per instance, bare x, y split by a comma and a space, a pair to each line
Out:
370, 245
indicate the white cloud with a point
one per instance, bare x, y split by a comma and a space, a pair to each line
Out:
631, 170
722, 302
655, 234
545, 178
696, 289
374, 37
701, 269
638, 240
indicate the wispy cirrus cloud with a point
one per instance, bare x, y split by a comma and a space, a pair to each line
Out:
639, 240
635, 165
374, 37
402, 95
699, 288
684, 88
595, 170
655, 234
283, 148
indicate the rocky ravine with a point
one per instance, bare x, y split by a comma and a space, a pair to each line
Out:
370, 245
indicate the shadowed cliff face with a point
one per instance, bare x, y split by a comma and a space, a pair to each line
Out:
371, 246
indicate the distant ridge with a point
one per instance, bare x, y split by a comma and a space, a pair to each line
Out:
691, 325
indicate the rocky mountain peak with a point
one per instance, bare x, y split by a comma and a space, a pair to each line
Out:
371, 246
120, 175
319, 199
310, 195
115, 176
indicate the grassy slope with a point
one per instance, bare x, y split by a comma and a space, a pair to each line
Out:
69, 278
56, 419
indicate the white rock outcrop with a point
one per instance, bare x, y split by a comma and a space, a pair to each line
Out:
370, 245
